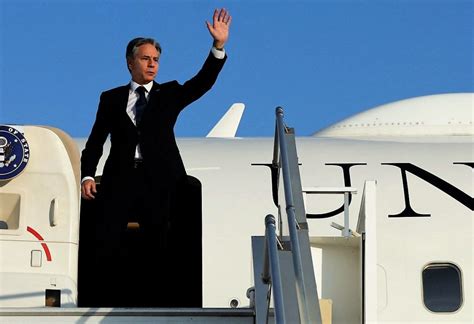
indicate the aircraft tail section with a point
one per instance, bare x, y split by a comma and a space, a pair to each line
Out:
228, 124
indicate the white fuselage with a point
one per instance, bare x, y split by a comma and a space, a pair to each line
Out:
424, 216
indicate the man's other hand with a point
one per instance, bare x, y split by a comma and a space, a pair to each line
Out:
219, 28
88, 189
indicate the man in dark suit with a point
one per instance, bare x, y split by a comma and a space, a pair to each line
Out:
144, 168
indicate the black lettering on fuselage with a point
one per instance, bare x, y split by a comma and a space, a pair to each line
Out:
469, 164
347, 183
408, 211
275, 172
437, 182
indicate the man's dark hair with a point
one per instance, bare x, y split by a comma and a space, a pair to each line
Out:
135, 43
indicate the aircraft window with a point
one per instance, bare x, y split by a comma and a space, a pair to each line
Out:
442, 287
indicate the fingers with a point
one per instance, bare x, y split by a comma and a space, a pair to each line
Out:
209, 26
219, 29
221, 16
88, 189
215, 16
225, 16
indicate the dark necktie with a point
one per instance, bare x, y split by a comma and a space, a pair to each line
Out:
140, 105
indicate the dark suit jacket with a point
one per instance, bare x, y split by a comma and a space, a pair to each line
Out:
162, 161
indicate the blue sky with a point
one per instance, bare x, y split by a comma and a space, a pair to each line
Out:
321, 60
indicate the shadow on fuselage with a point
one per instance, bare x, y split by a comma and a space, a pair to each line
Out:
141, 276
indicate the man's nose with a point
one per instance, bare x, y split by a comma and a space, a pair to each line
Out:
151, 63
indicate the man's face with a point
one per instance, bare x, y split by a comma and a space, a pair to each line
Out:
144, 65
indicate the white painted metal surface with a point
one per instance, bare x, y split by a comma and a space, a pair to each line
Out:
436, 115
236, 196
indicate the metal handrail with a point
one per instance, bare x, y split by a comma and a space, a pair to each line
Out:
290, 211
271, 268
346, 191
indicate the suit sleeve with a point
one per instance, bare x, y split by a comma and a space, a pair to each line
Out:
95, 143
202, 82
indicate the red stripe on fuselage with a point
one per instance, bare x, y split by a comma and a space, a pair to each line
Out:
35, 233
46, 250
40, 238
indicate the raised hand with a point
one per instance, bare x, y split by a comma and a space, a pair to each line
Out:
219, 29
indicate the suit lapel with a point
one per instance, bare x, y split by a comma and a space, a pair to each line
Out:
121, 104
155, 90
122, 98
156, 87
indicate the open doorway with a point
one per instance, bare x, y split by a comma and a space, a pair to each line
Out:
177, 281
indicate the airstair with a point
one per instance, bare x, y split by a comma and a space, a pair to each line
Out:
286, 264
282, 259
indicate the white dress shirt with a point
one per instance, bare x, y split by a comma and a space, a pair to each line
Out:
131, 108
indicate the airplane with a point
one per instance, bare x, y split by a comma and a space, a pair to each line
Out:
400, 174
